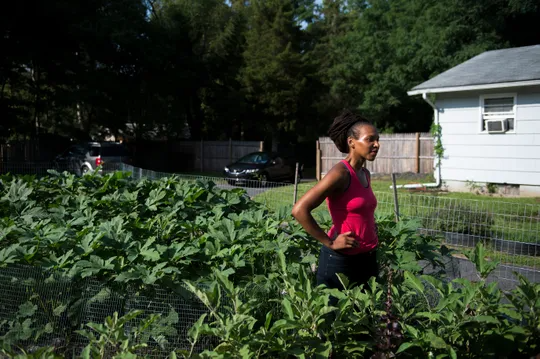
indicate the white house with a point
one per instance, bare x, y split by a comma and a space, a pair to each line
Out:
489, 111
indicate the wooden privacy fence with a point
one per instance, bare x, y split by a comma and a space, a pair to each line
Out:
19, 151
399, 153
213, 156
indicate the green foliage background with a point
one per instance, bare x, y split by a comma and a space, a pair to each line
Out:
215, 69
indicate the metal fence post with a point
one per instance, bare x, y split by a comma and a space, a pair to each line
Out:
417, 153
318, 160
295, 195
394, 189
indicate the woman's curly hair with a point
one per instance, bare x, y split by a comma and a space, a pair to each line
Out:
343, 127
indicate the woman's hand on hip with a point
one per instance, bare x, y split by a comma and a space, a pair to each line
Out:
343, 241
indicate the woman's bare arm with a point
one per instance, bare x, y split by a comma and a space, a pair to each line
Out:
335, 181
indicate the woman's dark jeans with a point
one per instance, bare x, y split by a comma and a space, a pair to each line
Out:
357, 268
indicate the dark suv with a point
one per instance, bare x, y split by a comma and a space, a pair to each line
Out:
88, 156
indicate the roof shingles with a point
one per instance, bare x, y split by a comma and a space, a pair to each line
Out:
491, 67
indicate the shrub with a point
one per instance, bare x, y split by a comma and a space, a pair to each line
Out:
456, 217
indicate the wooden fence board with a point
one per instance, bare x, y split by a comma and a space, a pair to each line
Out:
399, 153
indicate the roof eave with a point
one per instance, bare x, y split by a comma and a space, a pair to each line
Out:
474, 87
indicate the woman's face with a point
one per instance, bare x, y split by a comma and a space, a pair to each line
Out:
366, 145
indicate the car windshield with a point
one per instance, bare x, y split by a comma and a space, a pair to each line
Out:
255, 158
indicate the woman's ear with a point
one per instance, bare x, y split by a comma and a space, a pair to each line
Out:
350, 142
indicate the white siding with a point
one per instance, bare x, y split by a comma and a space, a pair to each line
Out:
469, 155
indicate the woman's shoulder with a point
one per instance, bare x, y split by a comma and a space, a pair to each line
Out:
340, 169
340, 175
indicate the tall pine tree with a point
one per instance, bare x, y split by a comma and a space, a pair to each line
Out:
272, 76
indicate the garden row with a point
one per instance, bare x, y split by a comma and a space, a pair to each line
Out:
147, 253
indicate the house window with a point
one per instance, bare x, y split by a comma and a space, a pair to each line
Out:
499, 107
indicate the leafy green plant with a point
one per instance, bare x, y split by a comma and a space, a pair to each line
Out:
126, 232
39, 353
526, 312
474, 187
467, 318
110, 339
492, 188
250, 268
305, 326
117, 337
22, 327
402, 247
484, 267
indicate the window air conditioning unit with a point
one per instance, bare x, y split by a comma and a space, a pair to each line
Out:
497, 126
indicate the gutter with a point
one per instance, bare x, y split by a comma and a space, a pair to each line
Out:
480, 87
437, 183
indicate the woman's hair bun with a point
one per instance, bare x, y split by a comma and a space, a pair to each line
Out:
343, 127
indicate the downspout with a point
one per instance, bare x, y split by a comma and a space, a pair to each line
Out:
438, 174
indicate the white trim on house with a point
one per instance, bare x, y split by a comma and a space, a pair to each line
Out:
501, 116
475, 87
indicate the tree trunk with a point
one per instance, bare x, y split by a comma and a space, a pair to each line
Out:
35, 79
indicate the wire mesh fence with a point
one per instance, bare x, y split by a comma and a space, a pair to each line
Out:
51, 307
41, 308
510, 230
33, 305
37, 168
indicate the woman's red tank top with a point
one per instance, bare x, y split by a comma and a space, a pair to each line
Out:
354, 211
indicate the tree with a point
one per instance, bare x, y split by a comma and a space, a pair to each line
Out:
240, 69
272, 76
330, 81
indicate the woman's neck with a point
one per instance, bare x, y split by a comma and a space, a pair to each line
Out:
357, 164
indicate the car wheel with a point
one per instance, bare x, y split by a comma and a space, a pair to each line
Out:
264, 179
84, 170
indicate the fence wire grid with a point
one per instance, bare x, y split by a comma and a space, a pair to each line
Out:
42, 308
510, 231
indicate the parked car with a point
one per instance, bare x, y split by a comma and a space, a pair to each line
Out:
261, 166
85, 157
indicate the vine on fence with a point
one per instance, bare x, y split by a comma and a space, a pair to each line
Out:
436, 131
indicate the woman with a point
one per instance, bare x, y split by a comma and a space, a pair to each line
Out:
350, 245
